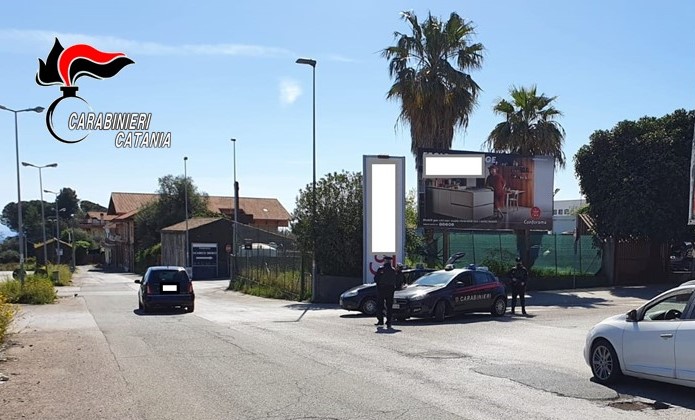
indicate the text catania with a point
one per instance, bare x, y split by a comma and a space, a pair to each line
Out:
132, 128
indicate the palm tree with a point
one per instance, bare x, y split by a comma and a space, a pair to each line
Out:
529, 128
437, 95
429, 71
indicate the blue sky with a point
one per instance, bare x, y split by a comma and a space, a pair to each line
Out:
212, 71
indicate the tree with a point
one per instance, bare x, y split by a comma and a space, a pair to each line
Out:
31, 219
67, 199
338, 223
529, 127
430, 70
87, 206
169, 209
429, 67
636, 178
414, 244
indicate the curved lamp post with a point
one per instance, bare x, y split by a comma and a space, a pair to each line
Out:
20, 228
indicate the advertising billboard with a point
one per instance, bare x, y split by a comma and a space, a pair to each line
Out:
691, 205
384, 212
479, 190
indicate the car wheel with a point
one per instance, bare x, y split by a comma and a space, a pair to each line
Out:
499, 307
369, 306
604, 362
440, 311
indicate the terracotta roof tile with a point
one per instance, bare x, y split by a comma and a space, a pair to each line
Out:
259, 208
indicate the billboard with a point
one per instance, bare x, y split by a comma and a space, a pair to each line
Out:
691, 206
384, 212
478, 190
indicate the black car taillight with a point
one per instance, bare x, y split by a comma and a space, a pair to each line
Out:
190, 287
149, 290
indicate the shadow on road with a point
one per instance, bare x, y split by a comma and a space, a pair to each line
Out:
563, 300
311, 306
160, 312
382, 330
641, 292
464, 319
675, 395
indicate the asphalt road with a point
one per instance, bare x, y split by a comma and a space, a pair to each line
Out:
93, 355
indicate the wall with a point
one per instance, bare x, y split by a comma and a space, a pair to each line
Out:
331, 287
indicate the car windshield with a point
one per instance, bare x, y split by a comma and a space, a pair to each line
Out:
438, 278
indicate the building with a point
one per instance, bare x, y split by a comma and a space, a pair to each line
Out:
262, 213
52, 251
565, 215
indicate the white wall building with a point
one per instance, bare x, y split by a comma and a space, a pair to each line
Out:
565, 215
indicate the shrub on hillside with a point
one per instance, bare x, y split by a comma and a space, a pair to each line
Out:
36, 291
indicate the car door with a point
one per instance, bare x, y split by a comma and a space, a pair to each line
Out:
649, 343
685, 343
463, 283
484, 291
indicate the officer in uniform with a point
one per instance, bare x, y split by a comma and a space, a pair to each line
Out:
385, 279
519, 276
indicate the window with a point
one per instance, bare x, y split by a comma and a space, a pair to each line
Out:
669, 308
466, 278
481, 277
567, 211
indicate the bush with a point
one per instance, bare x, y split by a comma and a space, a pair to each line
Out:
7, 313
65, 275
36, 291
9, 256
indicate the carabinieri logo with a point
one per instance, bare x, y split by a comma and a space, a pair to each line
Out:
64, 66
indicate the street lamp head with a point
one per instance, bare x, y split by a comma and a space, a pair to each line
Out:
234, 140
307, 61
185, 158
52, 165
38, 109
27, 164
5, 108
50, 192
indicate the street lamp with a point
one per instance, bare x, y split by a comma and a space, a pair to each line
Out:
312, 63
43, 217
57, 226
236, 209
185, 187
20, 229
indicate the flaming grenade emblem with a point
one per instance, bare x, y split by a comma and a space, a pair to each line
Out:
64, 66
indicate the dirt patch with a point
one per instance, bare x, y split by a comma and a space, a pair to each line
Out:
635, 405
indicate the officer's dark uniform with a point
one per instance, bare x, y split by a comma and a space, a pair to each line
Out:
519, 276
385, 279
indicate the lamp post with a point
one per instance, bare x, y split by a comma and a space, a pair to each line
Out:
236, 212
20, 229
43, 217
312, 63
185, 188
57, 227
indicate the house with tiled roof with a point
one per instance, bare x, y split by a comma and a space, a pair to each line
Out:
262, 213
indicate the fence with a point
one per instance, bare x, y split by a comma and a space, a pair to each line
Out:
554, 254
271, 262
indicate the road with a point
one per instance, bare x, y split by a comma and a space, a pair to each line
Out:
93, 355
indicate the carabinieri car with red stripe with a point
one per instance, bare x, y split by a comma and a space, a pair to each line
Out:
451, 291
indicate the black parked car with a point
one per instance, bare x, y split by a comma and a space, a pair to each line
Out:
364, 297
166, 287
451, 291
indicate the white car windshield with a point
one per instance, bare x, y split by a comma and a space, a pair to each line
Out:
434, 279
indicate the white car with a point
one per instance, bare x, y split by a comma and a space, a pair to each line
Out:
656, 341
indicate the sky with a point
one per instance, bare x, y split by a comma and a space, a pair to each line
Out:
211, 71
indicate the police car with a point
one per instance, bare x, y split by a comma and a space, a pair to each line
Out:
364, 297
451, 291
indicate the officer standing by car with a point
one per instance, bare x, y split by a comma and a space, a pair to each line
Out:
519, 277
385, 279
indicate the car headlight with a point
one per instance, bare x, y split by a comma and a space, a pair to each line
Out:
351, 293
418, 297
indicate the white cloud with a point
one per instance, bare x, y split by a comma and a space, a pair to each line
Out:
14, 40
290, 90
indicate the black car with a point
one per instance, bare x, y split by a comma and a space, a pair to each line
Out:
451, 291
165, 287
364, 297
